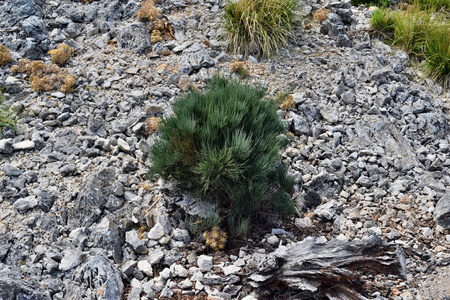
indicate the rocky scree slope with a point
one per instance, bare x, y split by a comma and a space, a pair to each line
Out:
370, 154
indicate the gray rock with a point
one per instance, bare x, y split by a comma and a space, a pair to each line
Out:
300, 125
11, 170
181, 235
381, 75
312, 199
101, 277
334, 27
329, 210
377, 131
348, 97
123, 145
14, 287
106, 235
205, 263
26, 203
442, 211
178, 270
95, 196
13, 85
223, 57
185, 284
138, 95
156, 232
132, 238
34, 27
71, 259
79, 236
136, 290
155, 256
161, 49
68, 169
6, 146
46, 199
329, 113
5, 245
166, 293
128, 267
145, 267
135, 37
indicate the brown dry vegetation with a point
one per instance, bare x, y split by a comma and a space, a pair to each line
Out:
61, 55
5, 57
44, 78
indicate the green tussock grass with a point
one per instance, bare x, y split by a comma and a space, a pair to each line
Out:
6, 121
258, 27
434, 5
422, 33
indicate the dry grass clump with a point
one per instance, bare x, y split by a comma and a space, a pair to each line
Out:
216, 238
286, 101
61, 55
155, 37
157, 24
148, 12
44, 78
152, 124
258, 27
240, 68
321, 15
5, 57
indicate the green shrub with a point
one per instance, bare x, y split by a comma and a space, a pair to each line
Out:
223, 145
258, 27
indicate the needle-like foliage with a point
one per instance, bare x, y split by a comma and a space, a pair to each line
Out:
223, 145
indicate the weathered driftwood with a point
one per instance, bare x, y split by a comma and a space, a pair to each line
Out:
332, 269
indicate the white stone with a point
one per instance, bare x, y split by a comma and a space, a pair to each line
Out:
273, 239
138, 95
71, 259
123, 145
232, 269
24, 145
199, 286
145, 267
240, 262
156, 232
58, 95
178, 270
185, 284
321, 240
205, 263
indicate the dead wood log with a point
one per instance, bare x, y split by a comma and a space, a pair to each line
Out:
331, 269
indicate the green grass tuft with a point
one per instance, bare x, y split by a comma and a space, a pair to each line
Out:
6, 121
423, 33
258, 27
